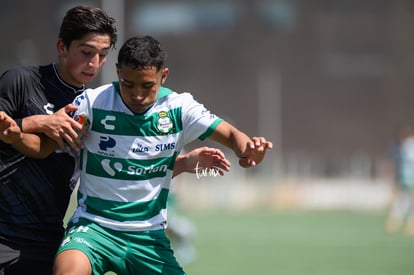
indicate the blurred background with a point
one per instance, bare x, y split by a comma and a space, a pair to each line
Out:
328, 81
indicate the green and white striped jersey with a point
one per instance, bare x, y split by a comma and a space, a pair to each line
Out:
128, 159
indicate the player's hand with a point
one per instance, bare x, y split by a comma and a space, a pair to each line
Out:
9, 130
206, 158
209, 158
255, 152
61, 127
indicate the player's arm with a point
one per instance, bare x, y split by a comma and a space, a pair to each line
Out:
34, 145
201, 158
31, 145
250, 151
58, 126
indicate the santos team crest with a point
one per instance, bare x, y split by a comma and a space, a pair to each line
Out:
164, 123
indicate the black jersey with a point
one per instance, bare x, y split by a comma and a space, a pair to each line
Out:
34, 194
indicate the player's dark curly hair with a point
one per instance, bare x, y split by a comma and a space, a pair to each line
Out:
142, 52
82, 20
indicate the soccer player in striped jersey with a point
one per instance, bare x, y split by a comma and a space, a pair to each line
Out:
136, 129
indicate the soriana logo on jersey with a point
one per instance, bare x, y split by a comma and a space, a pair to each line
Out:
164, 123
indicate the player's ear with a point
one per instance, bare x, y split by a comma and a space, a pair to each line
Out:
60, 46
164, 75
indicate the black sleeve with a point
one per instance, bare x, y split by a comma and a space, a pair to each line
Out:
12, 91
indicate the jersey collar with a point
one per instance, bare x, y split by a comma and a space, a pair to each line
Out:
161, 93
75, 90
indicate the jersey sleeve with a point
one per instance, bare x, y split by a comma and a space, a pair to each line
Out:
199, 123
13, 91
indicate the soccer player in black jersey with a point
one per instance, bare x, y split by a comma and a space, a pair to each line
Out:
35, 193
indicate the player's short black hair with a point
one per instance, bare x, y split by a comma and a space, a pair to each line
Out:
82, 20
140, 52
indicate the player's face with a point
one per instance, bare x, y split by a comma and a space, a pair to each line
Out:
139, 88
81, 61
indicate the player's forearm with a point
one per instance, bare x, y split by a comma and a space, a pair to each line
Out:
34, 146
231, 137
179, 166
33, 124
184, 163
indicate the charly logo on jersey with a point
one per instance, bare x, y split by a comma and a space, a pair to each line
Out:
107, 122
164, 123
49, 108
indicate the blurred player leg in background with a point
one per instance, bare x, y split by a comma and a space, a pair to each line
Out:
182, 232
401, 213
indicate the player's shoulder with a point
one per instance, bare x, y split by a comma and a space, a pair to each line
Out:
21, 72
169, 94
99, 93
175, 99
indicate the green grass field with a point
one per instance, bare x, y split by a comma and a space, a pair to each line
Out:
298, 243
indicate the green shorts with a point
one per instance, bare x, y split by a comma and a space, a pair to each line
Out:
142, 252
